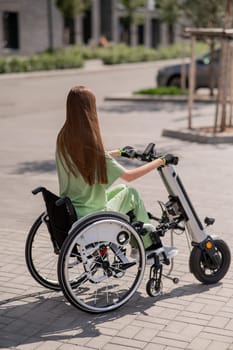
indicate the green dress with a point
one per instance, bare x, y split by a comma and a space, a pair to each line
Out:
87, 199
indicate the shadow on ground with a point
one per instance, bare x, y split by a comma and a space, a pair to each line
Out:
49, 166
141, 106
52, 319
44, 166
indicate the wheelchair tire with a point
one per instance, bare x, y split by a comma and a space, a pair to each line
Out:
108, 276
40, 257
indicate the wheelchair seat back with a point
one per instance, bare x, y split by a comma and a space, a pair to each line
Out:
60, 217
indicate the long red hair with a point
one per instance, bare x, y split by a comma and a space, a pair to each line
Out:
79, 142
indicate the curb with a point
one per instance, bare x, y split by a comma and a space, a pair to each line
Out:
164, 98
91, 66
195, 136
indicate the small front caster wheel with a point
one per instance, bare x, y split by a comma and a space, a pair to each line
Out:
153, 287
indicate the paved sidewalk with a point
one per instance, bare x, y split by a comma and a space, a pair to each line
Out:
188, 315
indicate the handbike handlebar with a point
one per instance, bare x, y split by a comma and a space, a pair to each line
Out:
150, 154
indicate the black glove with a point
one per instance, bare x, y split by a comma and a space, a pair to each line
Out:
128, 152
169, 159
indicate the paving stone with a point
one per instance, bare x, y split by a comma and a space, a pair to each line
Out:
128, 342
111, 346
217, 337
199, 344
169, 342
155, 347
215, 345
219, 322
129, 331
99, 342
146, 334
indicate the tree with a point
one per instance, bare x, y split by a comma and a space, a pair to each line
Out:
170, 11
131, 7
71, 9
206, 14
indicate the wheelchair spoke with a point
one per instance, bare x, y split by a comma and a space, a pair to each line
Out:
109, 276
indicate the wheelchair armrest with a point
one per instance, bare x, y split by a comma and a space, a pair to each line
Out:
61, 201
69, 207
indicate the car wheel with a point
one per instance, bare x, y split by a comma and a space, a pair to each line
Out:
174, 81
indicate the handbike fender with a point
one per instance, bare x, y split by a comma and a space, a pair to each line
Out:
215, 237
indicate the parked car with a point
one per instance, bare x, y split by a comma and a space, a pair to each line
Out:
171, 75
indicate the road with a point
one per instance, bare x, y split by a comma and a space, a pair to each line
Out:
190, 315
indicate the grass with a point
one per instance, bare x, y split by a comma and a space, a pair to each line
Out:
163, 90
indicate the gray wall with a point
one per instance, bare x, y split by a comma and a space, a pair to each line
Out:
34, 33
33, 25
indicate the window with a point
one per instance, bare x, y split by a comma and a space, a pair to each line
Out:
10, 30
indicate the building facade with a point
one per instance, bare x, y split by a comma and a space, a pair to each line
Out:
32, 26
29, 26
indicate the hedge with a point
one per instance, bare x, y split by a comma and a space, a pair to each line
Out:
75, 56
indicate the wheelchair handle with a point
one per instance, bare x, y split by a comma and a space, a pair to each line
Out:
37, 190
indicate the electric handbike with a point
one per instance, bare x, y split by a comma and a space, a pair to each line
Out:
102, 276
92, 255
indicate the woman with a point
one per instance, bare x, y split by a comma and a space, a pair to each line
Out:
86, 170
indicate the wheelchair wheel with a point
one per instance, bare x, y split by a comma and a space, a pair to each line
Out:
40, 257
105, 275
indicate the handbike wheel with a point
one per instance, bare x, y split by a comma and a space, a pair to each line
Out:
203, 268
40, 257
108, 276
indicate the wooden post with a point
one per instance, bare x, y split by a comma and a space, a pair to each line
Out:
192, 76
225, 66
183, 69
225, 85
220, 87
231, 87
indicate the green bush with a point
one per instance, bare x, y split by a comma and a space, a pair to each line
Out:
125, 54
74, 56
45, 61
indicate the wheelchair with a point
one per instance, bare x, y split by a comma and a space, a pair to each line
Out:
88, 258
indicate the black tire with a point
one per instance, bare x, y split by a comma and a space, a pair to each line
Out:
202, 267
174, 81
103, 292
40, 257
152, 287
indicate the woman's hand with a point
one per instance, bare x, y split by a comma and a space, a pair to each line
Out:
128, 152
169, 159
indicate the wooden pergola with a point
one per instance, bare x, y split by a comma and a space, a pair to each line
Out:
225, 81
